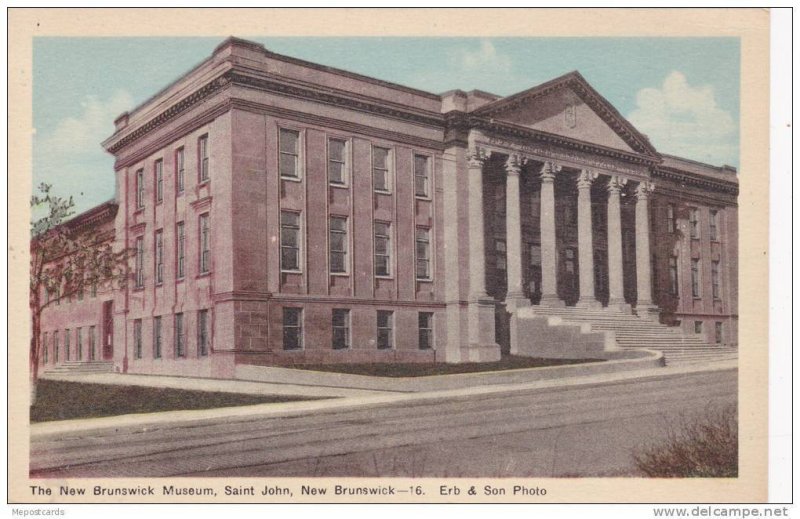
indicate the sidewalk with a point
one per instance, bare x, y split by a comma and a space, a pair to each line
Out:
352, 401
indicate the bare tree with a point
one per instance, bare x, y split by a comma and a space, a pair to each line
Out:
67, 260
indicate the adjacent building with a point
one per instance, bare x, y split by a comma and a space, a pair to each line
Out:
284, 212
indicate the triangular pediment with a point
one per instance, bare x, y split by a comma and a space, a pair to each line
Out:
570, 107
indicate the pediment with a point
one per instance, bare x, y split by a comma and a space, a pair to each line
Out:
569, 107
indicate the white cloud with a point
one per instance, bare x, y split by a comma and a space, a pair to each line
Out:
685, 120
484, 57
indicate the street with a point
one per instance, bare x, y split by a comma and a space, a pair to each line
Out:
564, 432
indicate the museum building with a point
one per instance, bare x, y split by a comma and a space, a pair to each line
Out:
284, 212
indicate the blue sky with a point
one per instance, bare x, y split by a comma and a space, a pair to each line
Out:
682, 92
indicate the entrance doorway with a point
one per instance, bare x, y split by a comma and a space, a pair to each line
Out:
108, 330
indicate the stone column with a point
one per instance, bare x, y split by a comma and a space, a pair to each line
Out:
482, 346
644, 303
585, 245
515, 295
547, 227
616, 289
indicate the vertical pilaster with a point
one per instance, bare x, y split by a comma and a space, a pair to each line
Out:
515, 295
616, 288
585, 247
547, 222
644, 303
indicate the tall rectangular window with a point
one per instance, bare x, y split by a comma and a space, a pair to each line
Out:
337, 161
340, 321
715, 284
422, 175
137, 338
713, 228
55, 346
140, 189
338, 244
158, 170
140, 262
44, 348
425, 320
180, 336
290, 241
383, 249
695, 278
423, 254
698, 327
79, 343
202, 157
292, 328
673, 275
180, 174
718, 332
380, 169
92, 344
180, 238
205, 244
385, 330
159, 256
157, 334
289, 153
66, 344
202, 333
694, 223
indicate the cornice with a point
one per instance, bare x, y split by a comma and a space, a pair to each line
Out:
202, 204
683, 177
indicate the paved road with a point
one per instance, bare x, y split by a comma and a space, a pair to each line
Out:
578, 431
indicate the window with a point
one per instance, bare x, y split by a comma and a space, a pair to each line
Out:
66, 344
180, 336
340, 320
338, 244
718, 332
694, 223
94, 288
159, 174
205, 244
140, 262
137, 339
44, 348
380, 169
500, 254
385, 334
383, 250
422, 175
55, 346
425, 330
202, 155
140, 189
159, 257
80, 294
202, 333
715, 286
92, 352
157, 337
673, 275
180, 236
78, 344
671, 224
292, 328
290, 241
289, 153
695, 278
179, 171
423, 254
698, 327
713, 230
337, 162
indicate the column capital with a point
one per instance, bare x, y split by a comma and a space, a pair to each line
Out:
514, 163
644, 189
616, 183
549, 170
477, 156
585, 178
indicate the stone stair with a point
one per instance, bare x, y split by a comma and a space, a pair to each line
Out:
631, 332
80, 367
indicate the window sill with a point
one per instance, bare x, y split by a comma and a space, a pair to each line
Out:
340, 274
203, 183
383, 192
292, 179
424, 280
292, 350
138, 210
384, 277
291, 271
338, 186
203, 275
426, 198
138, 288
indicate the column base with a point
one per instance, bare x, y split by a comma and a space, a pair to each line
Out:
480, 353
515, 301
648, 311
620, 305
588, 303
551, 300
481, 346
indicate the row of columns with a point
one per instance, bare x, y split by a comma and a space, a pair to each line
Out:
515, 294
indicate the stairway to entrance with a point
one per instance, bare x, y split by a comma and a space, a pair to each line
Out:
77, 367
632, 332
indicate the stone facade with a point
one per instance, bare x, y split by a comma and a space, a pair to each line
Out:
289, 212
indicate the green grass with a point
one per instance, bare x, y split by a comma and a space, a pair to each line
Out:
59, 400
387, 369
